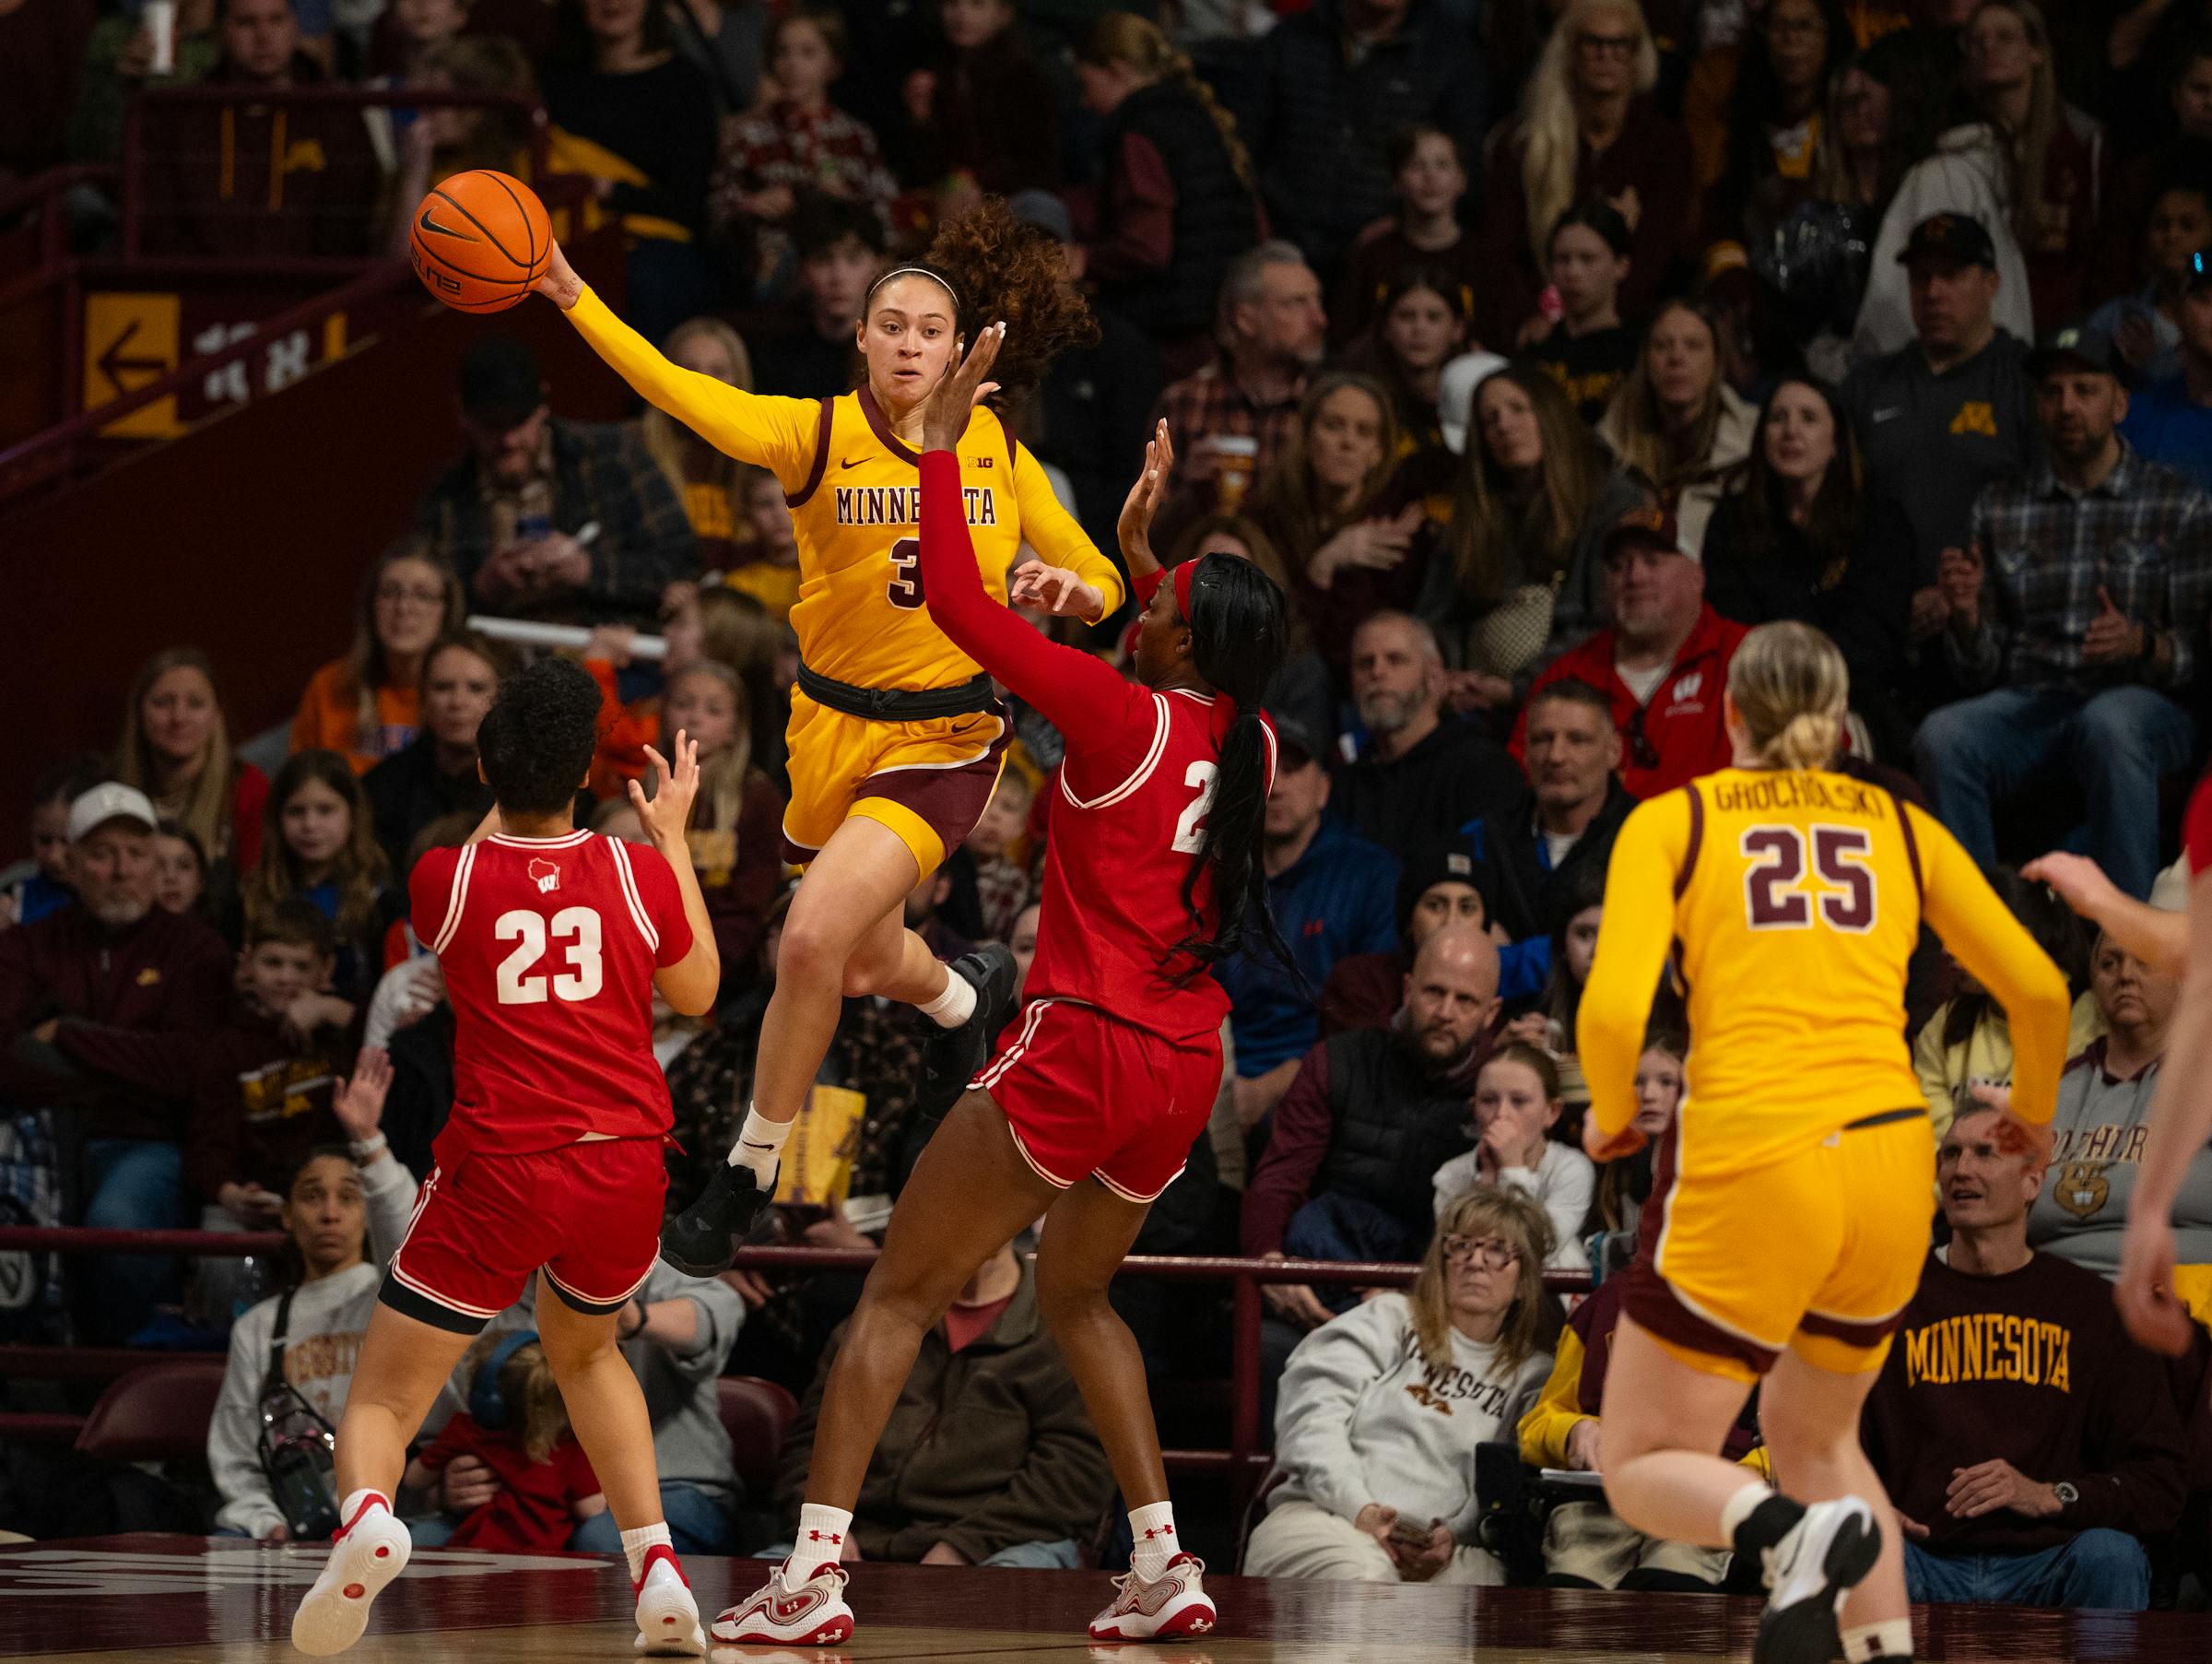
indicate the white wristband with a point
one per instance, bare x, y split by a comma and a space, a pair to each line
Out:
366, 1151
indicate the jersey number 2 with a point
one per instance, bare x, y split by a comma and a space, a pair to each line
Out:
1776, 895
905, 587
1189, 826
576, 928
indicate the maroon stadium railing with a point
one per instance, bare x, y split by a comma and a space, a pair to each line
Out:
1244, 1461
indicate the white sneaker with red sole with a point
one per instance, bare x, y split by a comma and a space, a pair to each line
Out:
369, 1550
1174, 1604
667, 1616
812, 1613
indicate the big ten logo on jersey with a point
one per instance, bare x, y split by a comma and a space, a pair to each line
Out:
573, 931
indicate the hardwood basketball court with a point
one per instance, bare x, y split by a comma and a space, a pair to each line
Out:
223, 1601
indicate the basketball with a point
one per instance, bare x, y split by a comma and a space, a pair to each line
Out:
480, 240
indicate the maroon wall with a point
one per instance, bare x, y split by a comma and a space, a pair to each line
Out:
247, 537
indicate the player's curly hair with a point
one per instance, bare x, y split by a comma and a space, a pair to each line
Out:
1002, 270
537, 741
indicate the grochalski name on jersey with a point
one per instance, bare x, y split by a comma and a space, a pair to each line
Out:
1798, 791
902, 504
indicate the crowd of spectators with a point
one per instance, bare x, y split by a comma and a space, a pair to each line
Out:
1537, 353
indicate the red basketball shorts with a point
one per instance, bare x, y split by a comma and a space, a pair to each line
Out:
1090, 1096
589, 1214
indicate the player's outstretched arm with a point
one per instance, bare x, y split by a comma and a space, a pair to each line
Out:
1133, 528
2160, 939
692, 982
735, 423
1996, 947
1632, 939
2181, 1124
1079, 695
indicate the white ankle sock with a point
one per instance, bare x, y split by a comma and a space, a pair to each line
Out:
351, 1506
955, 1005
635, 1543
1889, 1639
1152, 1529
760, 1145
821, 1539
1739, 1507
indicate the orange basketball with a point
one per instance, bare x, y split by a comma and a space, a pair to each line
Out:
480, 240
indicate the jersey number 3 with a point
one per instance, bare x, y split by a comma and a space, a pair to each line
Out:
575, 929
905, 587
1776, 896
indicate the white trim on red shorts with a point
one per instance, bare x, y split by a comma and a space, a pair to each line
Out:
1142, 772
594, 1299
1037, 1167
456, 899
630, 894
435, 1298
1131, 1196
995, 1070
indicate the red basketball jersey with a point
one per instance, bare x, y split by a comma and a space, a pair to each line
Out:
2196, 827
549, 946
1125, 837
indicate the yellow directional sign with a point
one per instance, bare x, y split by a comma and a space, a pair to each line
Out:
131, 339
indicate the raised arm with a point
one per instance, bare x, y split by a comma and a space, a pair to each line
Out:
2160, 939
1077, 694
778, 434
691, 983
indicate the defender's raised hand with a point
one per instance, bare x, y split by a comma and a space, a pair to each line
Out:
944, 415
667, 812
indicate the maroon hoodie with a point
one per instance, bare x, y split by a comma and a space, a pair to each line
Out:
136, 1004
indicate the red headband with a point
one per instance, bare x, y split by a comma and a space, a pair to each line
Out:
1181, 577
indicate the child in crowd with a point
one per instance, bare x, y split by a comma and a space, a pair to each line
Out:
517, 1426
1585, 348
260, 1095
1624, 1186
2145, 325
180, 870
1429, 177
45, 888
795, 143
1517, 1105
770, 572
318, 843
736, 834
1002, 884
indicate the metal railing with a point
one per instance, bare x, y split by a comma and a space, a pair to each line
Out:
1244, 1461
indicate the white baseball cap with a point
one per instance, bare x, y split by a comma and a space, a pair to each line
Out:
1456, 394
111, 801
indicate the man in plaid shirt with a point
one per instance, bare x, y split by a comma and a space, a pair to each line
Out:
1273, 334
2081, 604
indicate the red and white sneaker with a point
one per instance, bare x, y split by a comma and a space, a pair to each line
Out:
812, 1613
1174, 1604
369, 1550
667, 1616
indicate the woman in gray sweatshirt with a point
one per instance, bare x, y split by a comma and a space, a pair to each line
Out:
1380, 1411
345, 1210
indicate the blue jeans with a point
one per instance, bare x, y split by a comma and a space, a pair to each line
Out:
2115, 745
2100, 1569
697, 1524
131, 1185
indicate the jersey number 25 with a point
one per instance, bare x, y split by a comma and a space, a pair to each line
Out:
1776, 896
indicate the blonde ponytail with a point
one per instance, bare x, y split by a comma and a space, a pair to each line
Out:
1126, 39
1791, 688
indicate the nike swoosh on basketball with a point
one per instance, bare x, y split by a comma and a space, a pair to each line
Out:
428, 224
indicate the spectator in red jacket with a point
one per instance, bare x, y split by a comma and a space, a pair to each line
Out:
102, 1008
1662, 662
2028, 1442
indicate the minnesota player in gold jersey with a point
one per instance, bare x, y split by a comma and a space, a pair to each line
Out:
895, 737
1802, 1169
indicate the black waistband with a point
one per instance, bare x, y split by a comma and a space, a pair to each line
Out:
1882, 1119
900, 705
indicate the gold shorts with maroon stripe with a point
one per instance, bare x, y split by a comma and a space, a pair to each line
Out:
928, 781
1820, 1253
